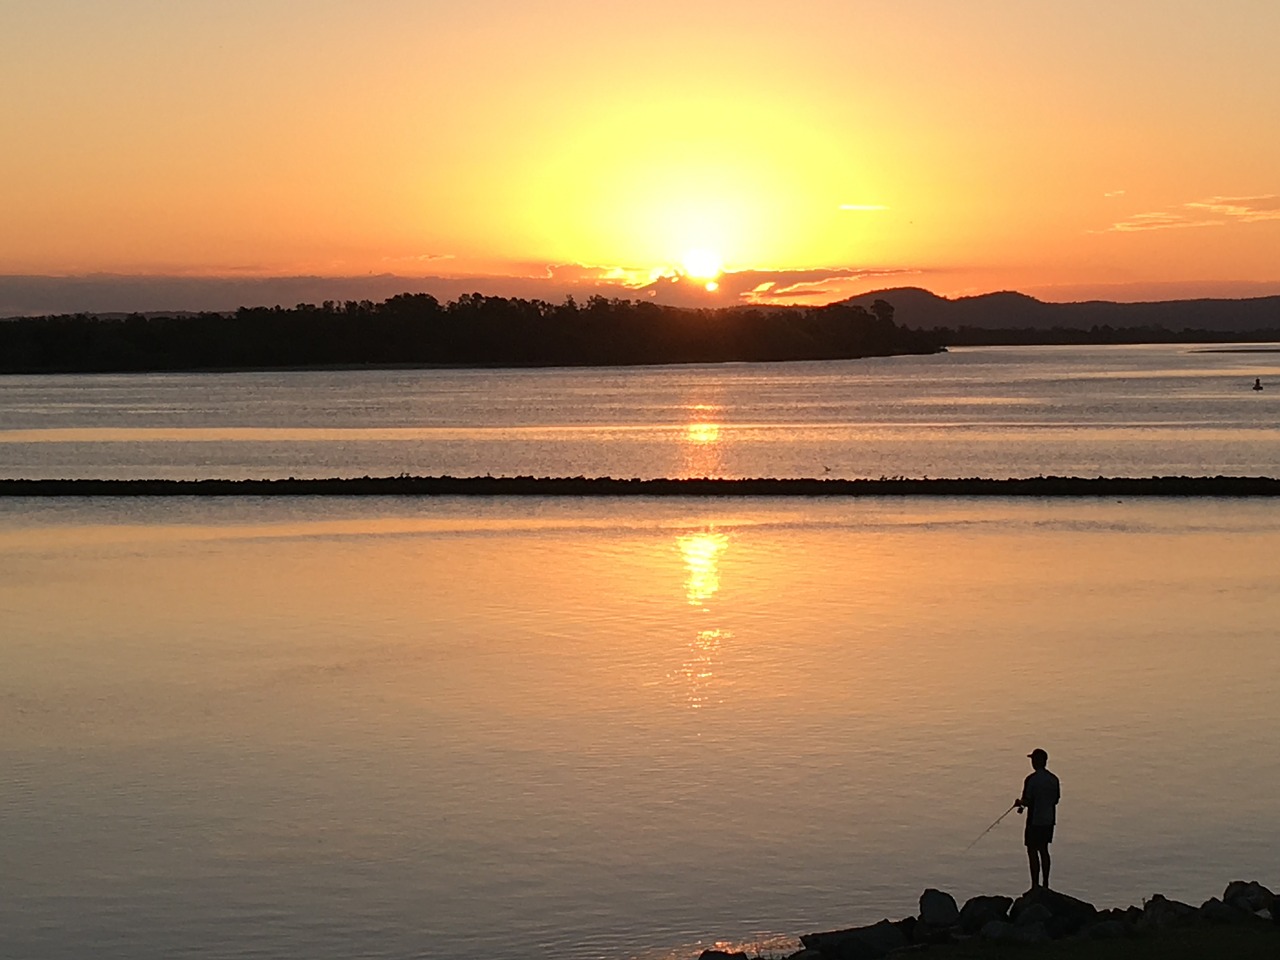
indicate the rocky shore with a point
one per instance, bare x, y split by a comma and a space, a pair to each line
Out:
405, 485
987, 925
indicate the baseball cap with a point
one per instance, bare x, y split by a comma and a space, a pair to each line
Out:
1037, 753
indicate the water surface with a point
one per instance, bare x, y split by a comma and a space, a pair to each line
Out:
555, 728
991, 412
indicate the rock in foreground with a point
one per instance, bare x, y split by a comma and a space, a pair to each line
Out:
1041, 916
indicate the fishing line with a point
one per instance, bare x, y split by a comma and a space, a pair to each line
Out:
990, 828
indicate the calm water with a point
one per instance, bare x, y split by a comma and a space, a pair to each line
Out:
330, 728
997, 412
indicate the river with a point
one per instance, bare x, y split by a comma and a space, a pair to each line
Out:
380, 727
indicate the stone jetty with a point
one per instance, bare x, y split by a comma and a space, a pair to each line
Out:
1038, 916
405, 485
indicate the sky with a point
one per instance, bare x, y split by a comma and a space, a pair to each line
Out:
174, 155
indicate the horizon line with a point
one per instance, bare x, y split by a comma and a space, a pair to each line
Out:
103, 292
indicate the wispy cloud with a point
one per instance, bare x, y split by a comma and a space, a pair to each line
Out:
771, 287
1114, 193
1210, 212
581, 273
1243, 209
1161, 220
419, 258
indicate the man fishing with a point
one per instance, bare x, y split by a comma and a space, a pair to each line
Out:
1040, 795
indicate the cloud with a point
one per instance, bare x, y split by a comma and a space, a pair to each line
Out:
1210, 212
587, 273
1243, 209
1160, 220
27, 295
769, 287
419, 258
1114, 193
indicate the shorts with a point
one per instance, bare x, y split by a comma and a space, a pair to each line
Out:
1037, 835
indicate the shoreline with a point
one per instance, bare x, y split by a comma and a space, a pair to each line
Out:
1243, 923
525, 486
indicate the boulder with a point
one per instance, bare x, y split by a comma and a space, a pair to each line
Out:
1036, 913
858, 943
1127, 916
1215, 911
1254, 895
977, 912
1014, 933
922, 933
995, 930
1159, 912
1113, 922
1108, 930
938, 909
721, 955
1067, 914
1030, 933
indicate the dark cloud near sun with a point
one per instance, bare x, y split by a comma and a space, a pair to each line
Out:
809, 286
25, 295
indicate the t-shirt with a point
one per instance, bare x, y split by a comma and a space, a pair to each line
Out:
1041, 792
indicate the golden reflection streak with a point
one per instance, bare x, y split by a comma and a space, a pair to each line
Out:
701, 441
701, 553
702, 433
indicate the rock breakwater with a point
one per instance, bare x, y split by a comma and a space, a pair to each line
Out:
404, 485
1037, 916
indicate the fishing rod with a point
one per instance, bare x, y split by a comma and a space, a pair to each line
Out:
990, 828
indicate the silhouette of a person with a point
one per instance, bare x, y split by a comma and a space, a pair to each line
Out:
1257, 383
1040, 794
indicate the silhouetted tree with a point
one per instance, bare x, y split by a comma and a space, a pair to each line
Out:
472, 330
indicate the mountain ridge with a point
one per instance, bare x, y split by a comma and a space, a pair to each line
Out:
922, 309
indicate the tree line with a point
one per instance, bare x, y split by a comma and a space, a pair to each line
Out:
473, 330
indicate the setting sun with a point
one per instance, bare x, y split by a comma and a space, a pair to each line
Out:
702, 264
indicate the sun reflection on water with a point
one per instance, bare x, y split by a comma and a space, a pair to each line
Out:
702, 448
701, 553
702, 433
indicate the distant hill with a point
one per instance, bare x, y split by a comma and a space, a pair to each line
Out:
922, 310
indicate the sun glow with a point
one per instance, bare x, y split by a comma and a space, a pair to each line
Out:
702, 264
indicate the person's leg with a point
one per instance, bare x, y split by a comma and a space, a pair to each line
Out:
1033, 861
1044, 864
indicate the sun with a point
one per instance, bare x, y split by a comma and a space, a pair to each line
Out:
703, 265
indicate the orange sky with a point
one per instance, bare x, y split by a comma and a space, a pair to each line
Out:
1126, 150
